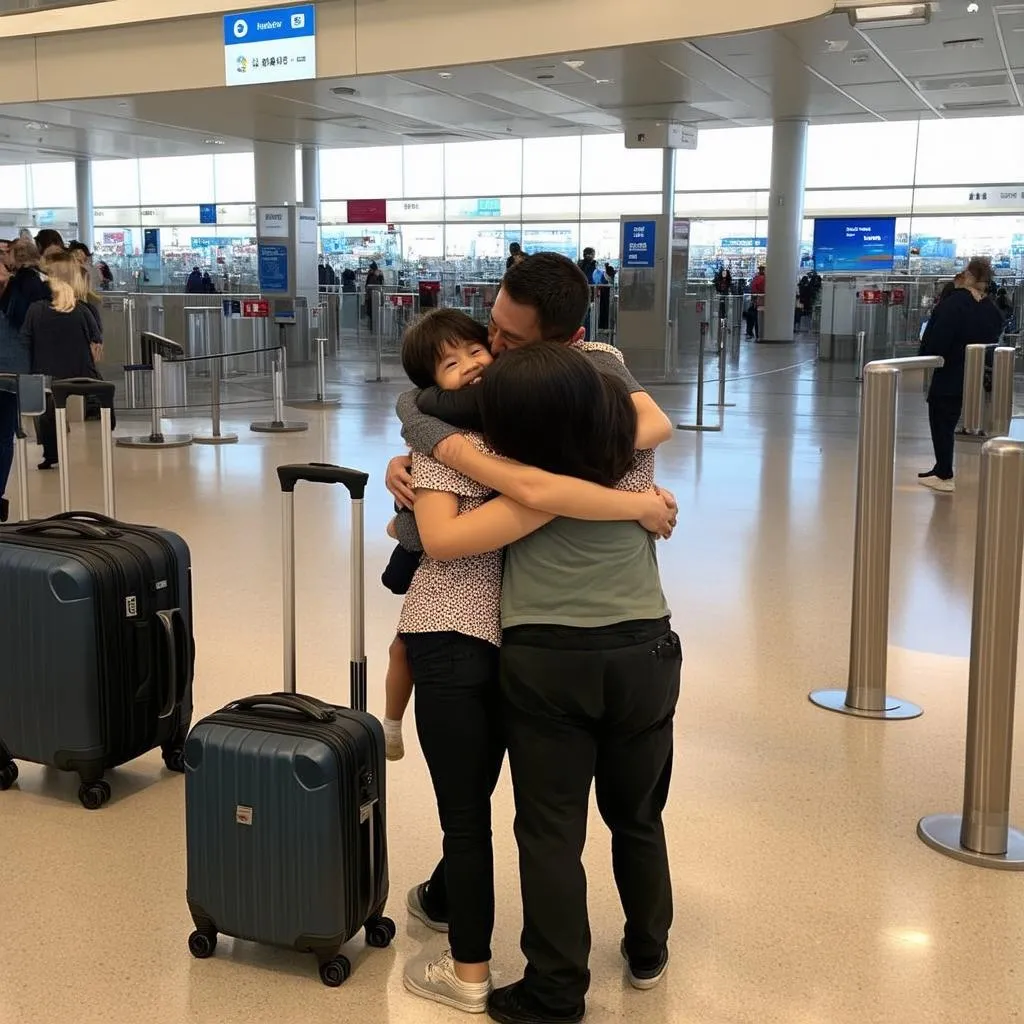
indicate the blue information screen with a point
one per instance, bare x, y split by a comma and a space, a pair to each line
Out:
207, 213
638, 244
861, 244
273, 267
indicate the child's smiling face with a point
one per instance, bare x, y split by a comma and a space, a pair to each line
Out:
461, 364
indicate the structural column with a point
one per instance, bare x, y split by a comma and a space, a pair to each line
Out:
83, 202
664, 245
785, 225
275, 174
311, 179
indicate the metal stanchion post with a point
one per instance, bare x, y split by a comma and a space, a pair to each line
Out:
131, 352
377, 298
21, 455
321, 401
1003, 364
861, 335
215, 436
982, 835
156, 437
865, 694
973, 424
700, 426
723, 331
278, 425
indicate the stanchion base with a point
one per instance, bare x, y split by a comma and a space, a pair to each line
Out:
723, 405
962, 435
149, 441
835, 700
702, 428
942, 833
219, 439
278, 427
378, 380
314, 403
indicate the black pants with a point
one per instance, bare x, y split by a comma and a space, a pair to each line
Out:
589, 706
46, 431
943, 416
458, 718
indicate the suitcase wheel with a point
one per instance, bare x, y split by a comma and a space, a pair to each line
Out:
94, 795
380, 933
8, 775
335, 972
174, 759
202, 944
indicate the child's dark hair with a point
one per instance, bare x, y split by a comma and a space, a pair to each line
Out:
547, 405
427, 336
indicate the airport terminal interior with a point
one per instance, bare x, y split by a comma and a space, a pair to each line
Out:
259, 241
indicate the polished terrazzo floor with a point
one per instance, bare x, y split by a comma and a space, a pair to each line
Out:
803, 895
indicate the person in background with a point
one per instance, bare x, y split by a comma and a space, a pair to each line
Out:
722, 283
61, 334
605, 299
374, 290
26, 285
348, 280
757, 287
49, 241
194, 284
515, 255
14, 358
81, 253
209, 288
965, 317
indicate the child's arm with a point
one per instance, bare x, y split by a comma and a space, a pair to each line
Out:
446, 534
460, 408
421, 432
540, 490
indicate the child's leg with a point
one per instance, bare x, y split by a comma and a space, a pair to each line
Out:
397, 692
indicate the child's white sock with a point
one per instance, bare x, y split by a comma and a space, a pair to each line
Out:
394, 747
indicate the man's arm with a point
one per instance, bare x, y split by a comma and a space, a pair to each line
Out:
548, 492
460, 408
423, 433
653, 427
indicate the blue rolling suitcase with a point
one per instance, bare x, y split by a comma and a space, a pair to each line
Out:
285, 797
96, 630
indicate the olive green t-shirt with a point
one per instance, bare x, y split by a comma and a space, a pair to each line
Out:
576, 573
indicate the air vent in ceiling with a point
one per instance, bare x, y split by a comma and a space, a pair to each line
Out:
942, 83
961, 105
438, 136
963, 44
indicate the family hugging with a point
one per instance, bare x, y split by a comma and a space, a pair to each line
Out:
534, 622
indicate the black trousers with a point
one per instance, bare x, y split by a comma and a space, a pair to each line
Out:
943, 416
587, 706
458, 719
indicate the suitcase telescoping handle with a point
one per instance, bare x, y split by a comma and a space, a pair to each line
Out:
354, 481
86, 387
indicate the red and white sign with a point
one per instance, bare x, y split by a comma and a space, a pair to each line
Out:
871, 296
897, 297
402, 300
258, 308
367, 211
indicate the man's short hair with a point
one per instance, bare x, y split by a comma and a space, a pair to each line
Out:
555, 287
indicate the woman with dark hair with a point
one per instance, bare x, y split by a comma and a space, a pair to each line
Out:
590, 671
966, 316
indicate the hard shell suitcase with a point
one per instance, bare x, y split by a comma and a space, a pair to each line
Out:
96, 629
285, 797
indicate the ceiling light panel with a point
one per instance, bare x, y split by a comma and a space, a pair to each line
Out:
890, 16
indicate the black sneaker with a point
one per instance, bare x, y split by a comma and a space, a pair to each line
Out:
514, 1005
645, 976
47, 464
925, 476
416, 901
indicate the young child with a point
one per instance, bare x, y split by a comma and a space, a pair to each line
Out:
446, 348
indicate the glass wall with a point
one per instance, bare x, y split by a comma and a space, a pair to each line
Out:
464, 203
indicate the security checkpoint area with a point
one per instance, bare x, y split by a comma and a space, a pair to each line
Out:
769, 219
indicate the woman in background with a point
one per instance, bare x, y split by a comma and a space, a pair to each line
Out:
964, 317
62, 337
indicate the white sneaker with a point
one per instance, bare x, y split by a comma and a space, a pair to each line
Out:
394, 745
938, 484
435, 979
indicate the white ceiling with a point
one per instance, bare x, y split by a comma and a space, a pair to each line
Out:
823, 69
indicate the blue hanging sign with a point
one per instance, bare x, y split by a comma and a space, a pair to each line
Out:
273, 268
207, 213
638, 244
270, 45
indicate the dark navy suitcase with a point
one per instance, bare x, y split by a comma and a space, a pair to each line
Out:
285, 797
96, 630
